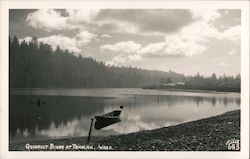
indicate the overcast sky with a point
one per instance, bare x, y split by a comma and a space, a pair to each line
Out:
185, 41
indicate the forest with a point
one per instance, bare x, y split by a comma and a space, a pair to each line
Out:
221, 84
37, 65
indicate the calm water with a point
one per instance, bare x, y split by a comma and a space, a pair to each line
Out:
68, 112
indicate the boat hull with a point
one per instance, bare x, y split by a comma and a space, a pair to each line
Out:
107, 119
102, 122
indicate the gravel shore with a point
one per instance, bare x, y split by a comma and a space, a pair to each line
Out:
210, 134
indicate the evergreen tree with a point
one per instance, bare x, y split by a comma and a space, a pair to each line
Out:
36, 65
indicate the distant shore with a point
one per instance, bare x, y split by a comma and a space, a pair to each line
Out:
210, 134
192, 89
189, 90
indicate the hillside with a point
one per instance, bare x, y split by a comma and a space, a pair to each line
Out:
36, 65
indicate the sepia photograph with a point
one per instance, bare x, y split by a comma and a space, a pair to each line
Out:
126, 79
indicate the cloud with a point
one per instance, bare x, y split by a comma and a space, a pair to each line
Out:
128, 51
62, 41
72, 44
190, 40
48, 20
232, 52
152, 48
183, 46
232, 34
134, 57
145, 20
187, 32
82, 15
121, 58
105, 36
172, 46
84, 37
193, 39
114, 26
204, 27
26, 39
223, 64
136, 21
153, 21
205, 14
124, 47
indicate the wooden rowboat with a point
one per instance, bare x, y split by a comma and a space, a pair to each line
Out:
111, 115
107, 119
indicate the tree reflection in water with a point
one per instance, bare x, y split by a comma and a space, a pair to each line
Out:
32, 114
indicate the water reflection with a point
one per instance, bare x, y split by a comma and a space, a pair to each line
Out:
66, 116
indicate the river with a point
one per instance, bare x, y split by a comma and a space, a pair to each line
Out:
37, 114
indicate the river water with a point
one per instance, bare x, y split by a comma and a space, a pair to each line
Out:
37, 114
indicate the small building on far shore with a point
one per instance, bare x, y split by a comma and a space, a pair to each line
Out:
169, 84
174, 84
180, 83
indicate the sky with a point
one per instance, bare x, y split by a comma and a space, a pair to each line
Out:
181, 40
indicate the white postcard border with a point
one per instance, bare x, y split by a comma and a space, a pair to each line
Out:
4, 32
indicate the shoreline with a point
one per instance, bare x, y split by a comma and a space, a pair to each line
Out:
209, 134
160, 89
190, 90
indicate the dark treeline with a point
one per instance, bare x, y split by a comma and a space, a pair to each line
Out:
36, 65
223, 83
